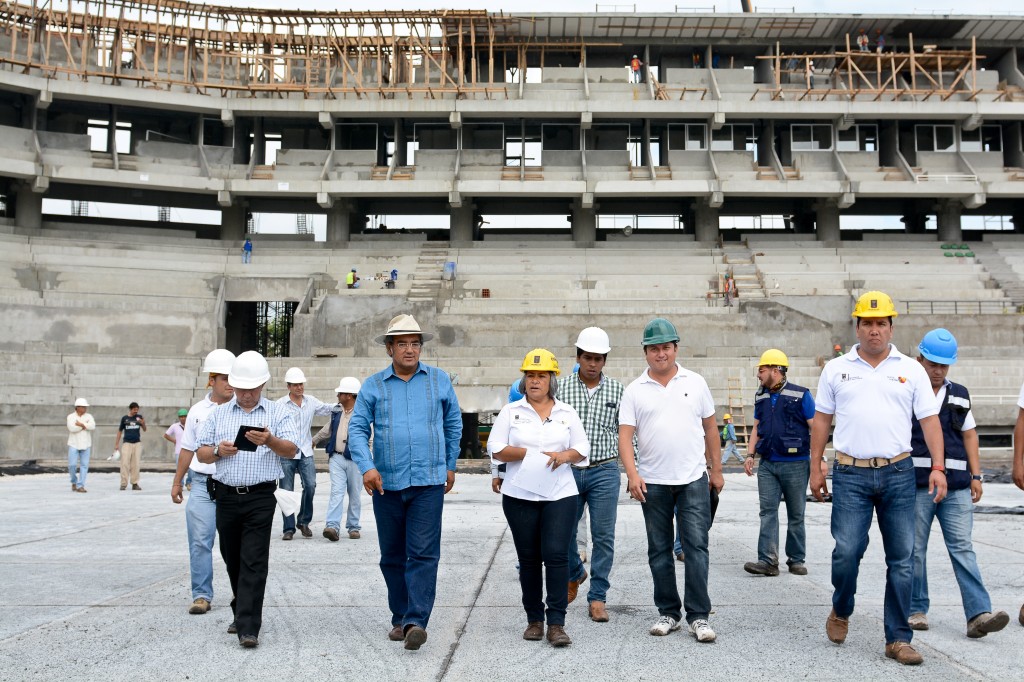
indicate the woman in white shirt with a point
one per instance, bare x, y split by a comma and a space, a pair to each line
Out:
535, 437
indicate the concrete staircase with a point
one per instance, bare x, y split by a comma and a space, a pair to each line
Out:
426, 280
1001, 271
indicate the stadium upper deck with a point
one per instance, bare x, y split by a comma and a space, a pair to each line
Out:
466, 113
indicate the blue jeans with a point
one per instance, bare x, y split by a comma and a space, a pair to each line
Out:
409, 533
956, 518
890, 492
345, 477
598, 486
306, 468
541, 531
691, 506
78, 465
777, 481
730, 451
201, 524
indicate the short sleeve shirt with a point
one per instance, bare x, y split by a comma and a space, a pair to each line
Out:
669, 425
131, 428
873, 406
176, 431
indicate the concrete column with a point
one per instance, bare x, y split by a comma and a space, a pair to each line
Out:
259, 142
584, 224
947, 217
232, 222
461, 226
915, 222
705, 222
28, 208
401, 143
1018, 222
339, 222
803, 222
826, 221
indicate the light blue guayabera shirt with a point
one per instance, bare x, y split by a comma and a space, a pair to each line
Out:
417, 425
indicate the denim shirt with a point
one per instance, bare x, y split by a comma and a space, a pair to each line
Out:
417, 426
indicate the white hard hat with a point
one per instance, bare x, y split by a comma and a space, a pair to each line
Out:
81, 402
593, 340
294, 375
348, 385
218, 361
249, 370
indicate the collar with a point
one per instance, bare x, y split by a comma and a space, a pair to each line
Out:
600, 381
390, 370
854, 356
646, 376
233, 404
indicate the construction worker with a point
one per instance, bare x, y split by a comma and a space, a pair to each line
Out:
781, 437
729, 436
874, 391
352, 279
937, 351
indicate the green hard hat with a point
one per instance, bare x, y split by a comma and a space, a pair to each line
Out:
660, 330
183, 412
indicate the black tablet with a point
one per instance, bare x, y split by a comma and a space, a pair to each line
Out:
243, 443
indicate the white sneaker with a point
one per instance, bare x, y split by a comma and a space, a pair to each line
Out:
665, 625
702, 631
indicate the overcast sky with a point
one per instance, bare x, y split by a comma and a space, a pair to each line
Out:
655, 6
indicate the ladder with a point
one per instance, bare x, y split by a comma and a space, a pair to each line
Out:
736, 406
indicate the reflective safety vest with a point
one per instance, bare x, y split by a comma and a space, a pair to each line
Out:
782, 431
952, 414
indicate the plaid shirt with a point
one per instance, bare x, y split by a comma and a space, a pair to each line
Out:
248, 468
599, 414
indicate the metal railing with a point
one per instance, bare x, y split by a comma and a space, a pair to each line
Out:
957, 307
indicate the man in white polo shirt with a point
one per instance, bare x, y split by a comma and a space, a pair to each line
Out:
874, 391
1018, 459
672, 414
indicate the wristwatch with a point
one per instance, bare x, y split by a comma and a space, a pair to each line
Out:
216, 450
978, 477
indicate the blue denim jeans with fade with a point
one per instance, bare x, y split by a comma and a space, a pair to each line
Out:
889, 492
598, 487
777, 481
201, 525
78, 465
306, 469
691, 506
956, 518
345, 478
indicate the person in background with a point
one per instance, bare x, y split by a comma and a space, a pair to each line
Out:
80, 427
131, 427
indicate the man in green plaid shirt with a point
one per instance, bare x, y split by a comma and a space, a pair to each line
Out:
596, 399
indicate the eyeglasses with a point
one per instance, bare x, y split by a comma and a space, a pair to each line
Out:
406, 345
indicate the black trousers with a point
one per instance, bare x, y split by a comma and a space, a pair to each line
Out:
541, 532
244, 523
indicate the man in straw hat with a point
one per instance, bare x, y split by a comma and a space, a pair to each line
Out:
417, 425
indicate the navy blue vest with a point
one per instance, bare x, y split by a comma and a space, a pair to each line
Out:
332, 442
955, 407
782, 431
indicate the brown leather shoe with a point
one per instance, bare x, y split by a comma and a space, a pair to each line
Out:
306, 532
415, 636
82, 490
136, 486
396, 634
199, 607
1020, 617
598, 613
534, 632
331, 534
557, 636
903, 653
836, 627
984, 623
353, 535
574, 587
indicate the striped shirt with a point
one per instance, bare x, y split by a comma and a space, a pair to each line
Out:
303, 415
248, 468
598, 412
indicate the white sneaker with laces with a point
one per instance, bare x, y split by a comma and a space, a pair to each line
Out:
665, 625
702, 631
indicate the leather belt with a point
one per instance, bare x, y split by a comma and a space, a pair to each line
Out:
246, 489
872, 462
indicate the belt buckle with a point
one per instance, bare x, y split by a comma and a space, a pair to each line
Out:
243, 489
878, 462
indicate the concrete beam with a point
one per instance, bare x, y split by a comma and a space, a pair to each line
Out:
972, 122
455, 118
587, 201
844, 122
975, 200
846, 200
324, 200
326, 119
716, 199
224, 198
455, 199
717, 120
40, 184
586, 120
44, 100
227, 117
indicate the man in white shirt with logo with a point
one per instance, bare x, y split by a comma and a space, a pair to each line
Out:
874, 391
672, 414
201, 511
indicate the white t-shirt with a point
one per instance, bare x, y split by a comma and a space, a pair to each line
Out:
873, 405
519, 425
669, 428
198, 414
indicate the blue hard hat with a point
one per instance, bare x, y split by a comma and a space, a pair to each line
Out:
513, 391
939, 345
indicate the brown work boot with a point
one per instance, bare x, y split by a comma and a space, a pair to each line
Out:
598, 613
918, 621
199, 606
396, 634
534, 632
415, 637
331, 534
557, 636
836, 627
574, 587
984, 623
903, 653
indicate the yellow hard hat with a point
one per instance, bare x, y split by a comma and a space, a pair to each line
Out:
773, 357
874, 304
540, 360
726, 416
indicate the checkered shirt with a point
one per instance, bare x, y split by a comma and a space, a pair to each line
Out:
248, 468
599, 413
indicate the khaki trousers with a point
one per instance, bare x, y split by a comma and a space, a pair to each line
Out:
131, 454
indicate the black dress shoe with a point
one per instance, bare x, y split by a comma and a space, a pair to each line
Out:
233, 628
306, 532
249, 641
288, 535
